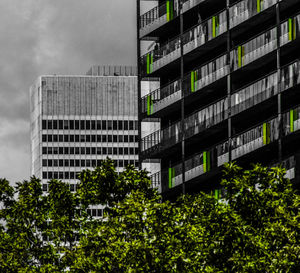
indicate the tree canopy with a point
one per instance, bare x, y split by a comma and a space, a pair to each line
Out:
253, 227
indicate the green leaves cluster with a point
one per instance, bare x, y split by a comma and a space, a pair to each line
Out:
255, 227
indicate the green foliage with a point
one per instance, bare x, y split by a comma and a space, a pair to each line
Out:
253, 228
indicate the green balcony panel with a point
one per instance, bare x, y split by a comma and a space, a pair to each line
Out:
292, 29
171, 177
241, 53
149, 105
206, 161
170, 10
149, 63
266, 133
193, 81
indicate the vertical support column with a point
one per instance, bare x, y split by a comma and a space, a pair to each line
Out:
138, 10
182, 99
229, 81
279, 106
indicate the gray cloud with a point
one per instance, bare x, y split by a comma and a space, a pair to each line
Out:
39, 37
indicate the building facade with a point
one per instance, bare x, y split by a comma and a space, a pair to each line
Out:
78, 121
229, 74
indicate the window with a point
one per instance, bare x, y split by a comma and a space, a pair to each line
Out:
55, 150
49, 150
72, 163
109, 150
66, 150
136, 138
131, 125
82, 124
109, 138
71, 150
93, 124
61, 162
88, 163
72, 187
125, 138
126, 151
115, 125
88, 150
120, 151
76, 138
77, 163
120, 124
104, 150
66, 163
76, 124
98, 124
44, 175
104, 138
98, 162
82, 138
109, 125
131, 151
72, 138
55, 175
61, 138
44, 150
55, 162
103, 124
93, 150
98, 150
94, 163
60, 150
82, 150
88, 138
60, 124
50, 175
125, 124
93, 138
76, 150
61, 175
98, 138
121, 163
82, 163
72, 175
125, 163
66, 124
45, 186
131, 138
66, 138
44, 124
49, 124
115, 138
55, 124
44, 138
136, 151
49, 163
120, 138
87, 125
49, 138
71, 124
115, 151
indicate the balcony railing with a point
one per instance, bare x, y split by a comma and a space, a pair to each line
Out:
243, 10
254, 49
254, 94
291, 121
193, 38
160, 15
193, 124
218, 68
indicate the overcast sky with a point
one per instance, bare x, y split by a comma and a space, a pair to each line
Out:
53, 37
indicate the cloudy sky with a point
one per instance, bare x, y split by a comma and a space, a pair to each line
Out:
53, 37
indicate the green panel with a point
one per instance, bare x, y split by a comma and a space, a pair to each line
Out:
292, 118
214, 26
171, 177
206, 161
149, 62
170, 8
149, 105
192, 81
266, 133
258, 6
217, 194
290, 29
240, 55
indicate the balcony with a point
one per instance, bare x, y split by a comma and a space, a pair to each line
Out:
192, 39
193, 125
216, 156
161, 15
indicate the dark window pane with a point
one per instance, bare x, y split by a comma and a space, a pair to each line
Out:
66, 163
104, 138
82, 138
98, 150
98, 124
98, 138
49, 150
88, 138
93, 124
109, 125
55, 150
55, 162
88, 150
120, 151
126, 151
88, 163
72, 163
71, 124
104, 150
131, 138
55, 124
115, 138
77, 150
82, 150
131, 151
50, 162
60, 150
45, 188
66, 150
115, 151
66, 124
44, 138
50, 175
71, 150
131, 125
109, 150
77, 125
61, 175
109, 138
87, 125
115, 125
76, 138
72, 138
94, 163
44, 150
77, 163
82, 124
44, 124
82, 163
60, 124
125, 138
72, 175
44, 162
67, 175
125, 124
49, 138
93, 138
61, 138
98, 162
93, 150
61, 163
120, 123
121, 138
103, 124
49, 124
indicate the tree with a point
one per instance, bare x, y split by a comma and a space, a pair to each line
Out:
254, 227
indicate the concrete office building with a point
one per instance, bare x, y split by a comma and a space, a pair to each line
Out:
229, 76
77, 121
